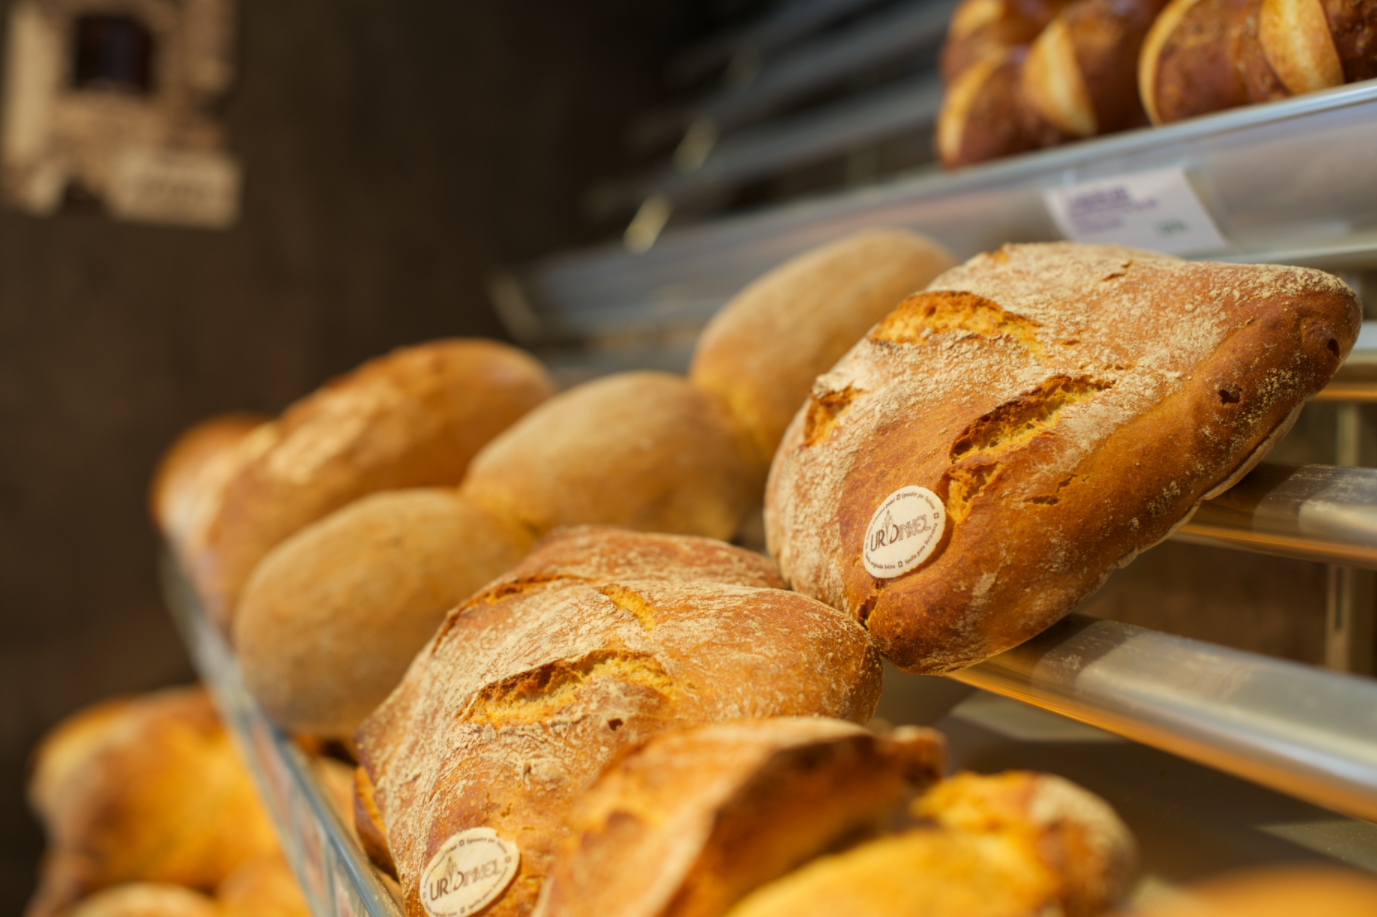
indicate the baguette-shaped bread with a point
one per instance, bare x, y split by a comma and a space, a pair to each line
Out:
331, 618
981, 29
153, 792
526, 694
1059, 408
413, 418
148, 899
1274, 891
763, 350
1016, 844
1190, 62
644, 450
694, 820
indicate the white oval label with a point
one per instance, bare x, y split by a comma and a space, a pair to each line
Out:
468, 873
904, 531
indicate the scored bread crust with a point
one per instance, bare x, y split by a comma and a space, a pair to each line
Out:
1191, 59
1070, 405
412, 418
693, 820
527, 693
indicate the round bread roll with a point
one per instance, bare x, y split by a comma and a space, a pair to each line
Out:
153, 792
413, 418
262, 887
981, 29
1276, 891
644, 450
1190, 62
695, 819
332, 616
523, 698
1002, 442
763, 350
1299, 46
147, 899
984, 116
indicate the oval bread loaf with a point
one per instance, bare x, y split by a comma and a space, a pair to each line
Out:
413, 418
643, 450
1029, 424
331, 618
526, 694
763, 350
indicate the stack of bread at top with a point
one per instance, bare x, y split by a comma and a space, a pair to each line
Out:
315, 545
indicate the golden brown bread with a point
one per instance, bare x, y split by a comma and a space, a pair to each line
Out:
1275, 891
644, 450
763, 350
531, 688
1191, 59
981, 29
158, 794
262, 886
147, 899
1012, 845
1299, 46
984, 115
413, 418
1063, 407
331, 618
695, 819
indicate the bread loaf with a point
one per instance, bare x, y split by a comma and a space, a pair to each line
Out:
147, 899
1012, 845
1299, 46
984, 115
1029, 424
153, 792
331, 618
413, 418
982, 29
643, 450
1277, 890
763, 350
527, 692
1191, 59
694, 820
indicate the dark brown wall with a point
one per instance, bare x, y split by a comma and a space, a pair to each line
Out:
396, 151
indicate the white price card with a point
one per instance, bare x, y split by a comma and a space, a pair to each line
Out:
1157, 210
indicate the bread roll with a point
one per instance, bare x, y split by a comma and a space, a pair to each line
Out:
159, 795
332, 616
262, 887
1275, 891
984, 115
694, 820
762, 352
413, 418
190, 480
524, 696
146, 899
1190, 62
982, 29
643, 450
1300, 46
1002, 442
1012, 845
1081, 75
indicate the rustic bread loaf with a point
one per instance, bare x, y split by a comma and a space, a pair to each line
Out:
331, 617
413, 418
1278, 890
1029, 424
644, 450
147, 899
1012, 845
525, 695
158, 794
695, 819
763, 350
1191, 59
191, 477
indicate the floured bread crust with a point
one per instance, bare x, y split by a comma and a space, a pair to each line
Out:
1069, 404
531, 688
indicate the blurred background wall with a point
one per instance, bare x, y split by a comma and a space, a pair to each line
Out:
395, 152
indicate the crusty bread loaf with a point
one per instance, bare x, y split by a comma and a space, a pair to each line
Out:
159, 795
413, 418
261, 887
526, 693
1012, 845
644, 450
1274, 891
331, 618
1030, 423
1191, 59
692, 821
147, 899
981, 29
190, 479
763, 350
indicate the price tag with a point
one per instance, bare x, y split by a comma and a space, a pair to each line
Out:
1158, 210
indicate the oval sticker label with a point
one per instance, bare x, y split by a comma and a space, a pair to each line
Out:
904, 531
468, 873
